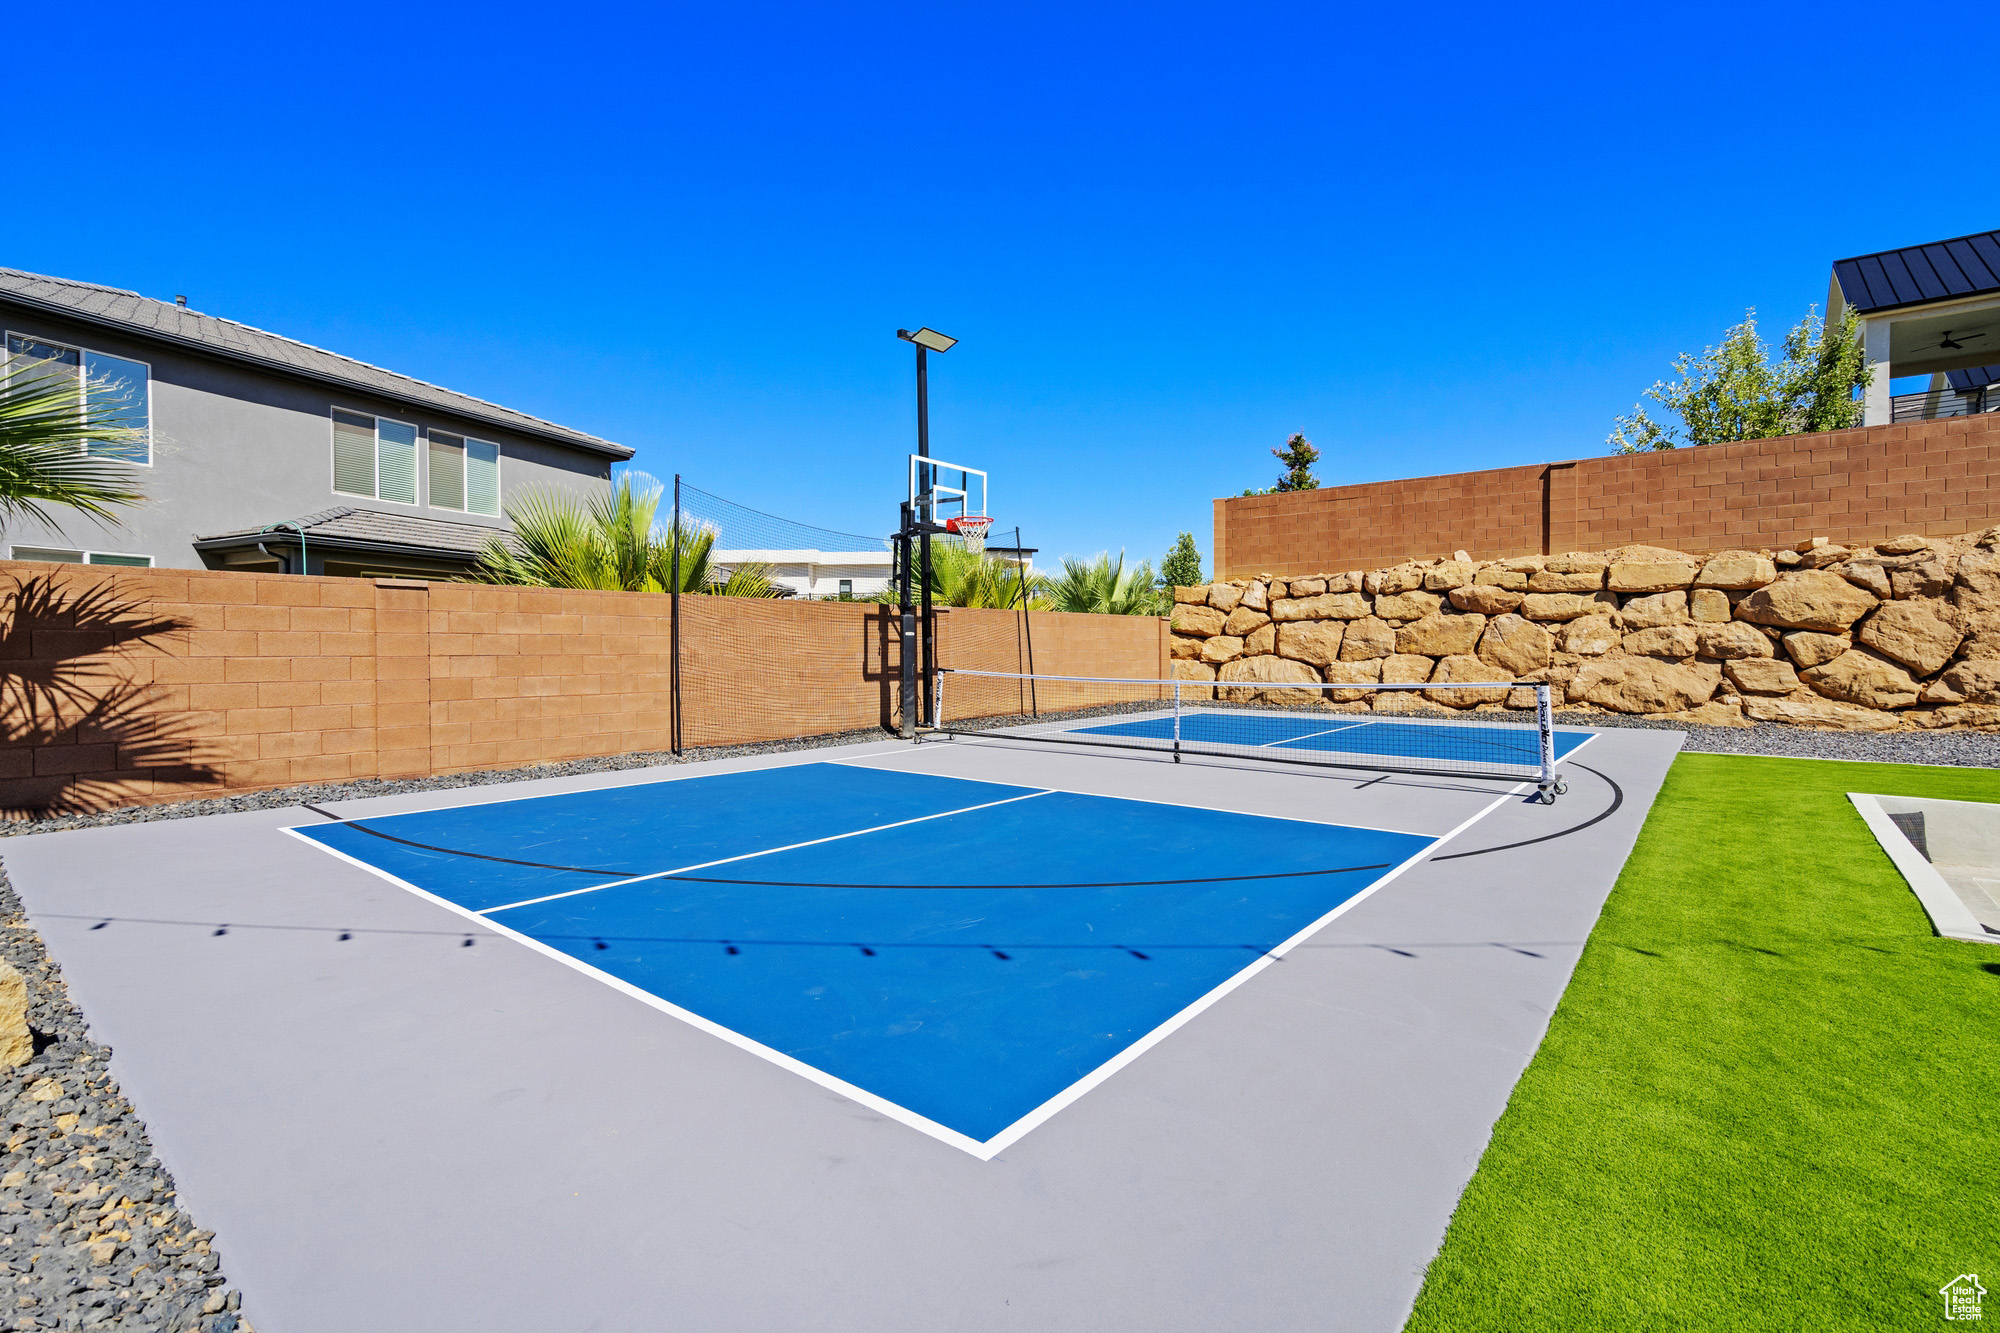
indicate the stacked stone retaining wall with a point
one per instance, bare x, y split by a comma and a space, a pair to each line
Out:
1899, 635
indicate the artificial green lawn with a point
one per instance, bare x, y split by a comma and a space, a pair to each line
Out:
1770, 1097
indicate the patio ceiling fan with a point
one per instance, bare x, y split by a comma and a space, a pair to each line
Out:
1953, 343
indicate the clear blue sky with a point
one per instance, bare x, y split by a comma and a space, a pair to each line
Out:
1432, 238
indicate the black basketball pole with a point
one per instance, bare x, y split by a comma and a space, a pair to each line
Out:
929, 645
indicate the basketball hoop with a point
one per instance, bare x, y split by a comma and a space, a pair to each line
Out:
972, 528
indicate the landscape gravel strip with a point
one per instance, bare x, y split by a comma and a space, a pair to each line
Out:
90, 1233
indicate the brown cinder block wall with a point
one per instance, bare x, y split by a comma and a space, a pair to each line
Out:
121, 687
1935, 478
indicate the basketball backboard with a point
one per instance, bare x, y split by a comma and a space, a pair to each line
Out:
940, 490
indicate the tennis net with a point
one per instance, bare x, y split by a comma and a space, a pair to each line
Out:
1469, 729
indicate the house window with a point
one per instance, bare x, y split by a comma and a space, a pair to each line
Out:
124, 391
53, 555
847, 587
374, 456
465, 474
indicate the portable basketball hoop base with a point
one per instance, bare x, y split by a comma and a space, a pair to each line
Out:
972, 529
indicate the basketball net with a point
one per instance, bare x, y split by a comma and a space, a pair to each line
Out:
972, 529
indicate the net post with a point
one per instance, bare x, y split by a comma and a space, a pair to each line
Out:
937, 700
674, 630
907, 634
1545, 726
1177, 722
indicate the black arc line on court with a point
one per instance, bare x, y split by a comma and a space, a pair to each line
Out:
1617, 799
819, 884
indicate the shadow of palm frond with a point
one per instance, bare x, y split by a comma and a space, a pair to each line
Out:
77, 699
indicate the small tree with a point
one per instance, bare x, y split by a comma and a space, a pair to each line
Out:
60, 437
1107, 587
1182, 567
1741, 390
1298, 456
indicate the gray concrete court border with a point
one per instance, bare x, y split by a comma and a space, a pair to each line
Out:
388, 1128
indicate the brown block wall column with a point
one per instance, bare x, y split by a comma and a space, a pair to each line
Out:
402, 678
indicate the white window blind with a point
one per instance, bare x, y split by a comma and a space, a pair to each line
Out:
353, 453
61, 557
396, 461
447, 471
482, 477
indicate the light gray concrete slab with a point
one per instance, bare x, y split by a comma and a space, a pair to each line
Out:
394, 1129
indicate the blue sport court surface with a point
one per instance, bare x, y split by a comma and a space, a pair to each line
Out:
967, 956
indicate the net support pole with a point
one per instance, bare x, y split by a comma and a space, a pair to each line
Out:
906, 653
1177, 722
1545, 727
674, 630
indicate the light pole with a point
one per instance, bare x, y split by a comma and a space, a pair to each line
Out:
927, 340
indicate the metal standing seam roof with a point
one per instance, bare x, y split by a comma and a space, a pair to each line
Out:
1920, 274
348, 527
129, 312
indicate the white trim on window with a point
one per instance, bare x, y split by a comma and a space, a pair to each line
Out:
83, 352
375, 457
56, 555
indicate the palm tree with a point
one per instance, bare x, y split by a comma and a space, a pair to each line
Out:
1104, 587
46, 416
612, 543
960, 578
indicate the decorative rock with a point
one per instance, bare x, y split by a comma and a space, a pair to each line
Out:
1982, 634
1407, 606
1802, 710
1809, 650
1761, 675
1977, 681
1675, 641
1460, 667
1978, 585
1440, 635
1907, 544
1870, 575
1590, 636
1822, 556
1786, 559
1644, 684
1359, 673
1983, 717
1448, 575
1257, 596
1709, 606
1183, 648
1196, 594
1197, 620
1650, 575
1396, 579
1922, 635
1860, 677
1515, 645
1194, 671
1808, 599
1366, 639
1732, 641
17, 1043
1567, 605
1929, 578
1224, 597
1485, 599
1576, 562
1666, 608
1715, 713
1493, 576
1736, 571
1221, 648
1263, 639
1242, 620
1255, 675
1308, 587
1316, 642
1343, 583
1405, 669
1559, 580
1324, 606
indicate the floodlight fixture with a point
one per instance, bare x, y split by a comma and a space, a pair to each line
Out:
930, 338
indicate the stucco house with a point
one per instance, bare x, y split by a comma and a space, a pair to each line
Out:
1926, 310
264, 453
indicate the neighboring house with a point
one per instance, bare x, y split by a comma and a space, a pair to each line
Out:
1926, 310
835, 574
251, 436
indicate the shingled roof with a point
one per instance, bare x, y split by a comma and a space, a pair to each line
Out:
347, 528
161, 321
1921, 274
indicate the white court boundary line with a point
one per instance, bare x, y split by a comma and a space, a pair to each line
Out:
989, 1149
767, 851
1310, 734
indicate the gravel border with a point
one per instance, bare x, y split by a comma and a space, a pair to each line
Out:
90, 1232
1955, 749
